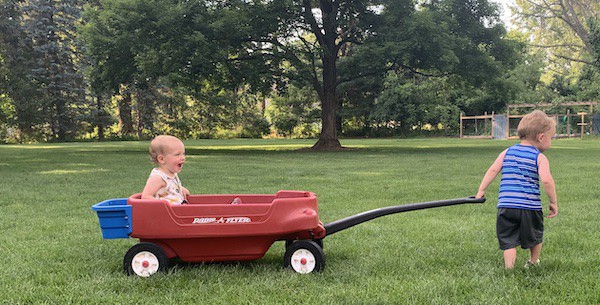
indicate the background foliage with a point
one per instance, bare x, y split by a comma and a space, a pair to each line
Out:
125, 69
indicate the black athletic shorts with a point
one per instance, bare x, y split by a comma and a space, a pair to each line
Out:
516, 227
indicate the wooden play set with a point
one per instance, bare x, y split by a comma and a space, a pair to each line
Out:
504, 126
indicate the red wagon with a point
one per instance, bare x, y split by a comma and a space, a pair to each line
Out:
210, 228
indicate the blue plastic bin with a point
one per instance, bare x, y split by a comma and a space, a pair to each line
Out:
115, 218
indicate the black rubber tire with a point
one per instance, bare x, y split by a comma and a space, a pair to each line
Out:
289, 242
308, 249
154, 252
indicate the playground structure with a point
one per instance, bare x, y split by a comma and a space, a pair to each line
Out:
504, 126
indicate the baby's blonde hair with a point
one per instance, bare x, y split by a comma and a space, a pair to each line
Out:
533, 124
159, 146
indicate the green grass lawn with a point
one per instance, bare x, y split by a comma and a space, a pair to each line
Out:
52, 252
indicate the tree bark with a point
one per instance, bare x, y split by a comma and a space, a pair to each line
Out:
100, 117
571, 18
125, 118
144, 96
328, 140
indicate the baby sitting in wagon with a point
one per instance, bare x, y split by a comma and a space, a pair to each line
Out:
168, 153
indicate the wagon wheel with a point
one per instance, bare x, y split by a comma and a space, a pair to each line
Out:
145, 259
304, 256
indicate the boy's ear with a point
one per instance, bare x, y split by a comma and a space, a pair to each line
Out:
160, 158
540, 136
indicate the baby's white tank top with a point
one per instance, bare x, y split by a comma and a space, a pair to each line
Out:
172, 192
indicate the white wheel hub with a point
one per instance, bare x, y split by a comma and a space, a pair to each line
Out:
145, 264
303, 261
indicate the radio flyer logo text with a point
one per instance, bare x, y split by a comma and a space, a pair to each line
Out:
203, 220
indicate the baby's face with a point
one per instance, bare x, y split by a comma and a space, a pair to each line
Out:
174, 157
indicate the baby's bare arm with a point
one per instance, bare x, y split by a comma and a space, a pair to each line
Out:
186, 192
153, 184
548, 184
491, 174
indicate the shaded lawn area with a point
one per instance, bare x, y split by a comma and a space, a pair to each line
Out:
52, 251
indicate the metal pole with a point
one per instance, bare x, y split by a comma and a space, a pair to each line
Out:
493, 125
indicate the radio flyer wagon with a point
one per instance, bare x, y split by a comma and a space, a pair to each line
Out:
212, 229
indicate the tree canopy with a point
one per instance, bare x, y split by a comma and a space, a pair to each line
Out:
136, 68
561, 30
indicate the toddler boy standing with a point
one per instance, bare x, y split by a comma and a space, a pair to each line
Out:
520, 221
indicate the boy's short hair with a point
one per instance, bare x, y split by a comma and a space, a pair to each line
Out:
533, 124
158, 146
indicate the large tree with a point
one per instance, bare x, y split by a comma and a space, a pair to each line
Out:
332, 44
309, 36
119, 37
137, 46
43, 76
17, 61
51, 27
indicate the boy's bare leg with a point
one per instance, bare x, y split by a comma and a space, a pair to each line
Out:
534, 252
510, 256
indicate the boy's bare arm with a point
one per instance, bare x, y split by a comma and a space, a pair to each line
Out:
491, 174
548, 184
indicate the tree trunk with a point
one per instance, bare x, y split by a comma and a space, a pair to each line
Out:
125, 118
338, 117
572, 19
61, 119
100, 118
144, 96
328, 140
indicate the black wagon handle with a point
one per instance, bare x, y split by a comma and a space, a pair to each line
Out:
345, 223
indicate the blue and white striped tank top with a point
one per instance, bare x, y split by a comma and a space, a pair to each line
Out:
520, 186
